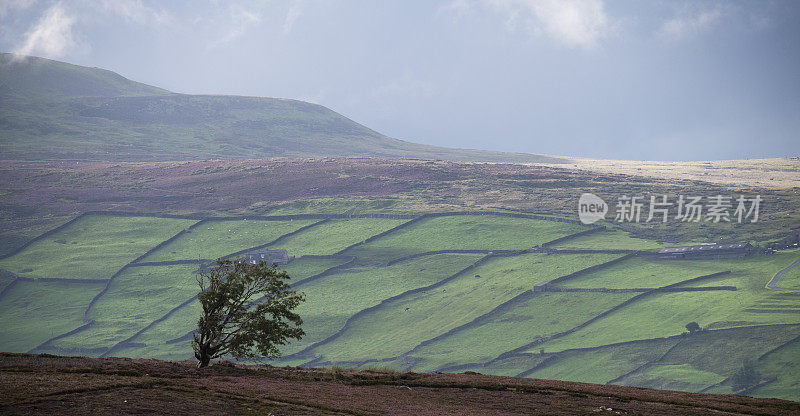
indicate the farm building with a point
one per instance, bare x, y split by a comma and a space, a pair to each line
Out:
268, 256
706, 251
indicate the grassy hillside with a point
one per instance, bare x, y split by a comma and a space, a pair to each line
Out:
216, 238
135, 298
335, 235
55, 110
447, 233
30, 77
417, 317
515, 323
34, 311
95, 247
448, 311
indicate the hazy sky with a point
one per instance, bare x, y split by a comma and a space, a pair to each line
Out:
679, 80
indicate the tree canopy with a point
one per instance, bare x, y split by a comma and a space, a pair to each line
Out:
247, 311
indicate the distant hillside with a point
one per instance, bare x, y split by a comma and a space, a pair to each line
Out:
55, 110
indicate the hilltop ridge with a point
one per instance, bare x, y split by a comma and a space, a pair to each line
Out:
56, 110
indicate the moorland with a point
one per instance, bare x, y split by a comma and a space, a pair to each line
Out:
124, 386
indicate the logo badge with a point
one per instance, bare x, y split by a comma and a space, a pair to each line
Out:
591, 208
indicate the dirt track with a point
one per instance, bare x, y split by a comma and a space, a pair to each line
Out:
773, 284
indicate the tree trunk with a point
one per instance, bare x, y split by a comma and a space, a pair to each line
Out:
202, 354
204, 361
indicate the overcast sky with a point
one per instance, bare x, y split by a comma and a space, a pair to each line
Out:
656, 80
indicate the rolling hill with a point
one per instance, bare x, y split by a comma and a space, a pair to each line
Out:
55, 110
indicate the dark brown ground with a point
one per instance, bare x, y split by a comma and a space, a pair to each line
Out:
43, 384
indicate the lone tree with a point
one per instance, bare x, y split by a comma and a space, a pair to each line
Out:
247, 311
692, 327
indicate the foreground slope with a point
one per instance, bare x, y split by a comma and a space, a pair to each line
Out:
55, 110
123, 386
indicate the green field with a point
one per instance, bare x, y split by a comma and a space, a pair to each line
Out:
723, 351
779, 302
783, 365
94, 247
509, 367
404, 316
463, 232
791, 278
303, 267
682, 376
665, 314
642, 272
609, 240
5, 280
175, 326
535, 316
135, 298
426, 314
682, 362
335, 235
214, 239
654, 316
33, 312
649, 272
184, 319
334, 298
603, 364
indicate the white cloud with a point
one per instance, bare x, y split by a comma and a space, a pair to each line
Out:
240, 20
12, 5
51, 36
573, 23
135, 11
295, 11
689, 24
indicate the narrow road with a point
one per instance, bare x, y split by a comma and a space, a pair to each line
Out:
774, 282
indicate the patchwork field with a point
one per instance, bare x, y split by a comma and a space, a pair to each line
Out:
216, 238
609, 240
441, 292
463, 232
423, 315
94, 247
136, 297
534, 315
783, 366
334, 235
34, 311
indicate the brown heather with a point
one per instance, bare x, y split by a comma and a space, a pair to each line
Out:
46, 384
